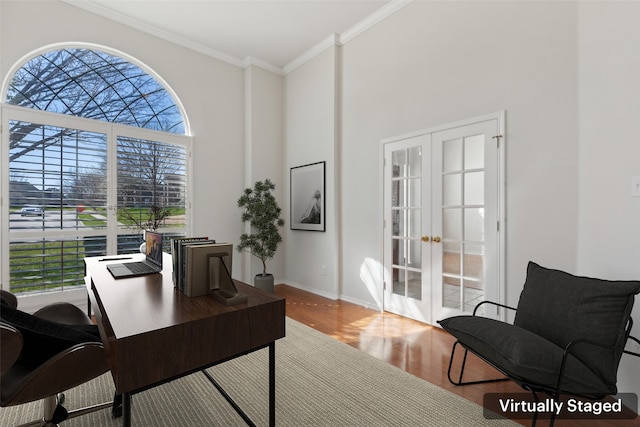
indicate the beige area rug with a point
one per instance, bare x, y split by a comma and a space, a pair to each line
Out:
319, 382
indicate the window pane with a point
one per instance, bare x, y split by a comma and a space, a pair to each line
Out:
49, 263
96, 85
151, 184
57, 177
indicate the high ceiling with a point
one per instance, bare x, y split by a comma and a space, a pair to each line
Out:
275, 32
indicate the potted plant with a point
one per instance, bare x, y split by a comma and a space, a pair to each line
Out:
262, 212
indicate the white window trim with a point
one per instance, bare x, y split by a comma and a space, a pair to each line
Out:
113, 131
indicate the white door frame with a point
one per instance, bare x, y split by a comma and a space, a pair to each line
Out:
501, 209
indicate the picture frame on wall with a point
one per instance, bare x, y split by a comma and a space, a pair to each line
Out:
307, 192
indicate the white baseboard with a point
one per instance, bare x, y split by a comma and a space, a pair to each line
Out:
330, 296
311, 290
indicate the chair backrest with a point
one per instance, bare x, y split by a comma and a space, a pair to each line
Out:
564, 308
10, 347
8, 298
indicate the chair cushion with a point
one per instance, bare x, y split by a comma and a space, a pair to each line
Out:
563, 308
524, 356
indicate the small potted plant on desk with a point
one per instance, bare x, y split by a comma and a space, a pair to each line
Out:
261, 210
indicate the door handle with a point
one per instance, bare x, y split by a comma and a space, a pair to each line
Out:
425, 239
436, 239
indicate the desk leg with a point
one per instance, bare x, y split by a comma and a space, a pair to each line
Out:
126, 410
272, 384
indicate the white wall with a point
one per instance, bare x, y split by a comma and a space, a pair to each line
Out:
264, 156
433, 63
311, 136
609, 218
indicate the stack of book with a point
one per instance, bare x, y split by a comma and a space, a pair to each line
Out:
197, 264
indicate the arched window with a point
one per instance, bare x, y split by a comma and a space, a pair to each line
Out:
96, 85
96, 152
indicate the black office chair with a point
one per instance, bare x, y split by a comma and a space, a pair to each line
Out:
44, 354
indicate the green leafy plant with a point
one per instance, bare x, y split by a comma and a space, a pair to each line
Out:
262, 212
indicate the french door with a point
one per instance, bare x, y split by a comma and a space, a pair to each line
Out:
442, 215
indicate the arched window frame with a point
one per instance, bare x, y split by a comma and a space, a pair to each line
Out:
112, 132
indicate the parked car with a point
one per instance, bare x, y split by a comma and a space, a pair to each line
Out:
31, 210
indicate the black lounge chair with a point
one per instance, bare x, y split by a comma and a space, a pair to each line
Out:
567, 338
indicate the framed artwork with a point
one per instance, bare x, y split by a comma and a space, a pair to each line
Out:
308, 197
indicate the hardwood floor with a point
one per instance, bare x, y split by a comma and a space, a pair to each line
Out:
417, 348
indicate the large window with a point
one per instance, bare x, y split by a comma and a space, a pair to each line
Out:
96, 151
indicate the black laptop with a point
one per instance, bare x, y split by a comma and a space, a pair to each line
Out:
152, 263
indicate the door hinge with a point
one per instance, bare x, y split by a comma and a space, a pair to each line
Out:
384, 286
497, 138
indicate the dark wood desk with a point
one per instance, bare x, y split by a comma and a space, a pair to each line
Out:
153, 333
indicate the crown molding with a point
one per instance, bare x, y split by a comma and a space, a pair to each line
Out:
99, 10
332, 40
341, 39
250, 61
377, 16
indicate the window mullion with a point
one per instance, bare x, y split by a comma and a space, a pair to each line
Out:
112, 191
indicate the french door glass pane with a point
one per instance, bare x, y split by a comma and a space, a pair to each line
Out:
399, 160
474, 152
398, 281
399, 252
452, 156
415, 161
452, 190
452, 224
413, 192
474, 224
413, 222
414, 259
474, 188
474, 262
414, 285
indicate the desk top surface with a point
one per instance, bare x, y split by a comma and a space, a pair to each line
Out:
141, 304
